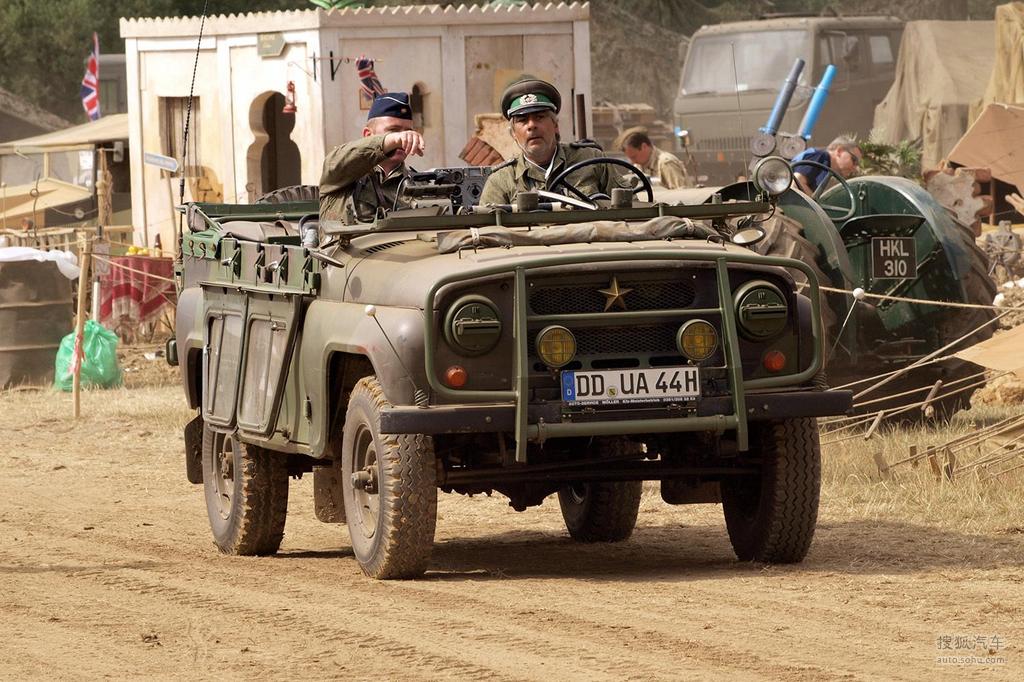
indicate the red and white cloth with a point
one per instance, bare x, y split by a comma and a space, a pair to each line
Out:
138, 294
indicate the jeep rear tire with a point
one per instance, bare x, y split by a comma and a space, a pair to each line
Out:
771, 516
246, 491
389, 485
600, 512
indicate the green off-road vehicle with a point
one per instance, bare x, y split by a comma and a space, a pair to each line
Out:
553, 346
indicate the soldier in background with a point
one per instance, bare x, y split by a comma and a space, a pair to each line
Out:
531, 107
363, 176
641, 152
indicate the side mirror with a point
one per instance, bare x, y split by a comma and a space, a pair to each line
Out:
749, 235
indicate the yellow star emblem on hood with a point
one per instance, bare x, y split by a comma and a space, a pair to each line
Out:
614, 295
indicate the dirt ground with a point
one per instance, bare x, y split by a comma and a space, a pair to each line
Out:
107, 569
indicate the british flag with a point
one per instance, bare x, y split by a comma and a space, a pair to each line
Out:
91, 81
368, 80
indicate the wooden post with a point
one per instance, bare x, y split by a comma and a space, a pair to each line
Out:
874, 425
83, 294
950, 465
103, 191
934, 462
883, 468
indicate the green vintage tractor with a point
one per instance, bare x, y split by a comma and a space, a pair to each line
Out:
890, 241
888, 237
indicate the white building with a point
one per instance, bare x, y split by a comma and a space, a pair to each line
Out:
455, 62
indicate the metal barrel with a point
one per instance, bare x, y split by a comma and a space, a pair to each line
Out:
782, 101
35, 313
817, 103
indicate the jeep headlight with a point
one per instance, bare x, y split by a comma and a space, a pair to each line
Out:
773, 175
472, 325
761, 310
697, 340
556, 346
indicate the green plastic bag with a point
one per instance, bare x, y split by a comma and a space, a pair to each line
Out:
99, 361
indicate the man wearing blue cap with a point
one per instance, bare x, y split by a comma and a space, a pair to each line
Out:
364, 175
531, 107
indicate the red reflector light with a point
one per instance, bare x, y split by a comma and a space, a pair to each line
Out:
774, 361
456, 376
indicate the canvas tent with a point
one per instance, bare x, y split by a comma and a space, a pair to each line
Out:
993, 141
942, 68
51, 178
1006, 84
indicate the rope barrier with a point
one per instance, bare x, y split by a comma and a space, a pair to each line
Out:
904, 299
125, 267
889, 415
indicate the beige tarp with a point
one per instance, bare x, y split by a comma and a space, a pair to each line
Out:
942, 68
994, 141
104, 129
1001, 352
1006, 84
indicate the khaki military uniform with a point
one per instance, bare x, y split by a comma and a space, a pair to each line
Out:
520, 175
667, 168
352, 187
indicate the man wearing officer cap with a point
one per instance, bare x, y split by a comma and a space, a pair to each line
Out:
531, 107
361, 176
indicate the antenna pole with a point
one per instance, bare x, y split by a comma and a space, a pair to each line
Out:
188, 121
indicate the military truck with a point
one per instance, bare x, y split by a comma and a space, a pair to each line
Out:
732, 71
555, 346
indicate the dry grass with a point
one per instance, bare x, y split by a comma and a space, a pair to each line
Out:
970, 503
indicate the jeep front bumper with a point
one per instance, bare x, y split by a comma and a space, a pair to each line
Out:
546, 420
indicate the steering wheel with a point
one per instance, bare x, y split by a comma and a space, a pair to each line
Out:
854, 203
560, 179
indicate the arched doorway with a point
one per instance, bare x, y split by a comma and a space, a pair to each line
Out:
273, 159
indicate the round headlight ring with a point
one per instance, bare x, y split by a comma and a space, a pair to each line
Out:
556, 346
697, 340
769, 307
472, 325
773, 175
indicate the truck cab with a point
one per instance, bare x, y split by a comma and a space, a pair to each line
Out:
732, 72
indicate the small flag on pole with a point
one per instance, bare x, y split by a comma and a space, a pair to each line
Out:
91, 81
368, 80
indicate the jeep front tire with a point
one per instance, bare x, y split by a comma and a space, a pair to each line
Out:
389, 485
771, 516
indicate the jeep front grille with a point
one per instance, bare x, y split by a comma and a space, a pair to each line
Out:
586, 298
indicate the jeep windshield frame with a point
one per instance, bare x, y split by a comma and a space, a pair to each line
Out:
420, 223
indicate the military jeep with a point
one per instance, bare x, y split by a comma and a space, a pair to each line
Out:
555, 346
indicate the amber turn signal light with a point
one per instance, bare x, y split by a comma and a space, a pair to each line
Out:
456, 376
774, 361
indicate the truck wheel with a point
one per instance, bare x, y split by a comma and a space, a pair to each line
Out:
246, 490
784, 237
389, 487
291, 193
600, 512
771, 517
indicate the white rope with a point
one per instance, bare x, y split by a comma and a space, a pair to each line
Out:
922, 301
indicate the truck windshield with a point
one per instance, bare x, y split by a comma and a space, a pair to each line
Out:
763, 59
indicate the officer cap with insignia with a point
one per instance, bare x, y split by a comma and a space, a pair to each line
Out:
529, 95
391, 104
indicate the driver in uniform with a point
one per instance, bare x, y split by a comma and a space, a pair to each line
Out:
531, 107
